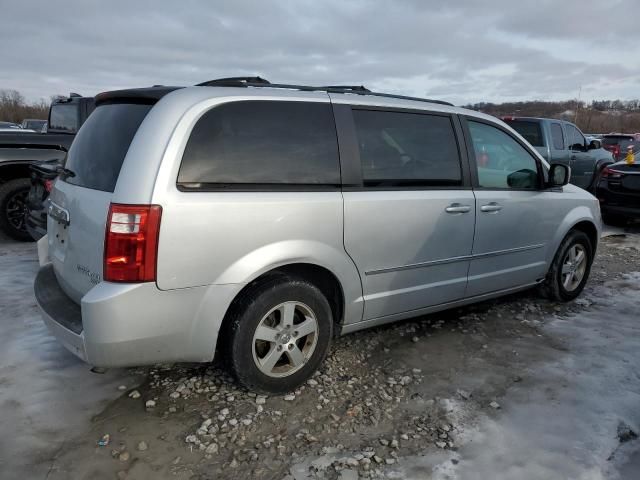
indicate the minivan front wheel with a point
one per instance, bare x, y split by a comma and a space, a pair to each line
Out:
281, 335
570, 268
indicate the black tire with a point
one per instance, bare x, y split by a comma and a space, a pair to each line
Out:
553, 287
614, 220
247, 315
13, 197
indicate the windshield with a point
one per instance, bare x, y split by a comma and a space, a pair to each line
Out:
98, 150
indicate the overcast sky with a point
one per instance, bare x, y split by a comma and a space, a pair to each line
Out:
461, 51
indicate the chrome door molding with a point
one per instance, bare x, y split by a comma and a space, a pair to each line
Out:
455, 259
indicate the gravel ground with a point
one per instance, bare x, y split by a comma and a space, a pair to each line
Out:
441, 396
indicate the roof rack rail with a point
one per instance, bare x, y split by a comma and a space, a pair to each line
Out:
354, 89
235, 82
349, 88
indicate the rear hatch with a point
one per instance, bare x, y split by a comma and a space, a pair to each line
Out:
80, 198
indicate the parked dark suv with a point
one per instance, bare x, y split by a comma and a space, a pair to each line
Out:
619, 143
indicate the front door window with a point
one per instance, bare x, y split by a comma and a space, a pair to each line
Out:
501, 161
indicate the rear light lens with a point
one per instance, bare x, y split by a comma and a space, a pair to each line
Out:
611, 174
48, 185
616, 152
131, 243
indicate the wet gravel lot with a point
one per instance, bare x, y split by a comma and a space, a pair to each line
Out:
514, 388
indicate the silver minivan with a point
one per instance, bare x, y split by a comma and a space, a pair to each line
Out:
256, 221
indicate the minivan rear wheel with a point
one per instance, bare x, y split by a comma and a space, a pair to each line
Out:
280, 335
570, 269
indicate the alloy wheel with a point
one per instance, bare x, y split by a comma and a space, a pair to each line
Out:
574, 267
285, 339
17, 209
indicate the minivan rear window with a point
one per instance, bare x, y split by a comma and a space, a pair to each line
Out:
97, 152
529, 130
252, 143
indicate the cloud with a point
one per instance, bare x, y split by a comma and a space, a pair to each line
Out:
464, 51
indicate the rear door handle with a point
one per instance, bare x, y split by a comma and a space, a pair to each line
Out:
491, 207
457, 208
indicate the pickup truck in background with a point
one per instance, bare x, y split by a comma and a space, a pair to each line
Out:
559, 141
19, 150
36, 125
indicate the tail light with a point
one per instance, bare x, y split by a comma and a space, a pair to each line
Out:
48, 185
131, 243
611, 174
616, 152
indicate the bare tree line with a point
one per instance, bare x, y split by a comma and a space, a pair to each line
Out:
599, 116
15, 108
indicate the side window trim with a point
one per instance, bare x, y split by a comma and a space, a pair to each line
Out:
350, 152
465, 119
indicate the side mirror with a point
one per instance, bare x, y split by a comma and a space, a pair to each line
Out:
594, 145
559, 175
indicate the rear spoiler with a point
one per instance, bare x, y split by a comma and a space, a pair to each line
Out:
145, 96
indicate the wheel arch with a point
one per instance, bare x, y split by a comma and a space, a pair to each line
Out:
321, 277
14, 170
580, 218
590, 230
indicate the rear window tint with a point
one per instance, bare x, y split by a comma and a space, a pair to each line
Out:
529, 130
262, 142
98, 150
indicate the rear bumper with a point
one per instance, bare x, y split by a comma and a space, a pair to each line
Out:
61, 315
123, 325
